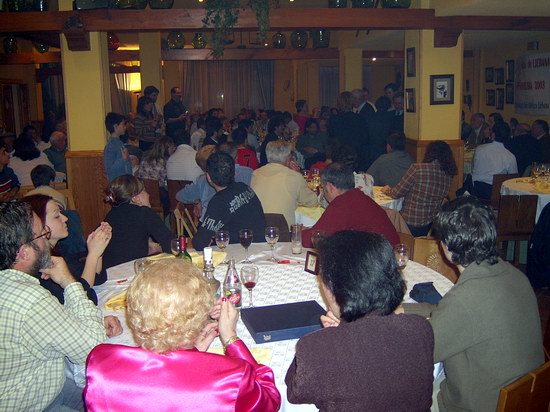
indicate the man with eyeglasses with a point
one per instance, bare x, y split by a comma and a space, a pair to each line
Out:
36, 331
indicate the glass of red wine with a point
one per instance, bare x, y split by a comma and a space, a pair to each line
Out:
245, 238
249, 277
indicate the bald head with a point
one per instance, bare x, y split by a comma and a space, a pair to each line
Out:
58, 140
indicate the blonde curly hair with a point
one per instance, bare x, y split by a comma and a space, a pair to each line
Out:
168, 305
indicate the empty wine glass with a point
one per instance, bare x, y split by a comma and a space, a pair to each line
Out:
175, 246
249, 278
245, 238
272, 237
401, 255
140, 265
222, 240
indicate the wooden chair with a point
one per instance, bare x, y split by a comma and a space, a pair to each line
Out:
23, 190
516, 221
278, 220
184, 221
152, 187
397, 221
497, 185
68, 193
174, 186
427, 251
516, 396
407, 239
540, 392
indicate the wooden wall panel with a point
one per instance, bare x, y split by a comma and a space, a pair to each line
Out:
417, 149
87, 179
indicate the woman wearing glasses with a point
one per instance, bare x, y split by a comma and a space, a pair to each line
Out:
55, 229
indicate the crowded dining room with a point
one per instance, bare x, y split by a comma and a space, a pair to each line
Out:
275, 205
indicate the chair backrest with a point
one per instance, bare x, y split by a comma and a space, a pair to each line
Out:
540, 396
407, 239
516, 215
278, 220
497, 184
68, 193
516, 396
427, 251
184, 223
23, 190
152, 187
397, 221
174, 186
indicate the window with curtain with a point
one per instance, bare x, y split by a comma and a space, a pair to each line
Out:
328, 85
121, 96
230, 85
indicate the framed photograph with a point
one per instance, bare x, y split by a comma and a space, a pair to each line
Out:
489, 74
442, 89
411, 62
510, 71
499, 75
500, 99
312, 263
490, 97
410, 101
509, 93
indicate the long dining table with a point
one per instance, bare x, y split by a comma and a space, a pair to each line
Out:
282, 282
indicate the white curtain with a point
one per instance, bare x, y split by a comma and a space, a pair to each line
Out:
52, 93
328, 85
230, 85
120, 92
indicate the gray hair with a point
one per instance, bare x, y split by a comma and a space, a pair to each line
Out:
358, 96
56, 135
277, 151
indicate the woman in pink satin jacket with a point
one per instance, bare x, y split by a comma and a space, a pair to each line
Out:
168, 308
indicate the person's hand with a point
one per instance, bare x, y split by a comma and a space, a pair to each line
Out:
58, 272
386, 190
227, 323
112, 326
125, 154
206, 336
399, 310
5, 197
99, 239
197, 210
216, 310
329, 320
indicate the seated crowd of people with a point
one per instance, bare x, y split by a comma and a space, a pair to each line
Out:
374, 353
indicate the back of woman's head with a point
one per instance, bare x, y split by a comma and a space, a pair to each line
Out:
168, 305
38, 205
25, 149
345, 102
122, 189
360, 270
440, 151
345, 155
161, 150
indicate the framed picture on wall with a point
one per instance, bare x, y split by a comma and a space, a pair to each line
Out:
489, 74
490, 97
410, 102
500, 99
411, 62
499, 75
509, 93
442, 89
510, 71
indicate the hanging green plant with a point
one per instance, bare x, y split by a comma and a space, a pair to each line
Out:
221, 15
261, 8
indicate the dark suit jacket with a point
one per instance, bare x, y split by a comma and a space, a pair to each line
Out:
376, 363
379, 125
349, 129
527, 150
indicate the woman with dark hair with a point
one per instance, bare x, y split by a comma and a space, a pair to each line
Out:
49, 212
146, 125
133, 223
424, 186
366, 357
312, 144
275, 131
25, 158
153, 166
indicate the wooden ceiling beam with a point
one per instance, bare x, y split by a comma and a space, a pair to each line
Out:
251, 54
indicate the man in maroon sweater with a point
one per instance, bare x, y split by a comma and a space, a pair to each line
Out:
349, 208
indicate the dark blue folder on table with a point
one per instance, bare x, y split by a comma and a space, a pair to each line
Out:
282, 322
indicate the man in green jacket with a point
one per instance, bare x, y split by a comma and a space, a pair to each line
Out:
487, 327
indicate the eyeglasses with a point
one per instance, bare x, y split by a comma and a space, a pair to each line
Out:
47, 234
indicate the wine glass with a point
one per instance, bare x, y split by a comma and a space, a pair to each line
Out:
222, 240
249, 277
271, 237
245, 238
316, 237
401, 255
175, 246
140, 265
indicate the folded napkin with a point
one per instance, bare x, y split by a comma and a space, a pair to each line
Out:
262, 355
425, 293
117, 302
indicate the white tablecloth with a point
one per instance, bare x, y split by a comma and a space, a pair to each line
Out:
525, 186
278, 283
308, 216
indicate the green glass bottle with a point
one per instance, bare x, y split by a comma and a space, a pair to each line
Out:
183, 253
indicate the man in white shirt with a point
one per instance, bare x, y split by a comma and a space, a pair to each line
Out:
476, 121
291, 124
280, 188
492, 159
360, 105
181, 165
198, 136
